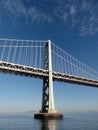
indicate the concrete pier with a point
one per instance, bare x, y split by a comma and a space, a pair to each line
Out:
48, 116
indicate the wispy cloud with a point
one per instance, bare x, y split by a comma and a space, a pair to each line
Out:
11, 7
37, 15
82, 14
16, 9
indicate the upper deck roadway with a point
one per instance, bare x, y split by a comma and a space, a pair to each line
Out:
17, 69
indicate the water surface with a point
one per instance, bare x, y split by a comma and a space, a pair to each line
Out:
25, 121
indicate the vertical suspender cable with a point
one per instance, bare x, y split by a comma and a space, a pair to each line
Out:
40, 56
19, 61
26, 53
36, 56
31, 55
3, 50
10, 46
14, 55
65, 71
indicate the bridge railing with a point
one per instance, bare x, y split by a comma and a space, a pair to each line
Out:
23, 52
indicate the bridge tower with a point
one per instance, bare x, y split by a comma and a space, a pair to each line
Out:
48, 107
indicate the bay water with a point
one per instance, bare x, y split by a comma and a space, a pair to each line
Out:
26, 121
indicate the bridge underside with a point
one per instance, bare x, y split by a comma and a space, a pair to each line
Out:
16, 69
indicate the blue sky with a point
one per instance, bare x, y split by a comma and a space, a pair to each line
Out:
73, 26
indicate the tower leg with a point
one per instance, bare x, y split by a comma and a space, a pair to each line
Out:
47, 98
45, 95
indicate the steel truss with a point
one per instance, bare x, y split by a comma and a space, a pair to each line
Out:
16, 69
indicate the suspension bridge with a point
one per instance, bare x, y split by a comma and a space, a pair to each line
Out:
45, 60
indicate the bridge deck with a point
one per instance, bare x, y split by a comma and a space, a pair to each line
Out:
17, 69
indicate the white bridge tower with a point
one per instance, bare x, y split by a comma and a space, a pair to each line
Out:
48, 95
48, 106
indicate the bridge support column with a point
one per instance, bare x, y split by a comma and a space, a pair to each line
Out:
48, 106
